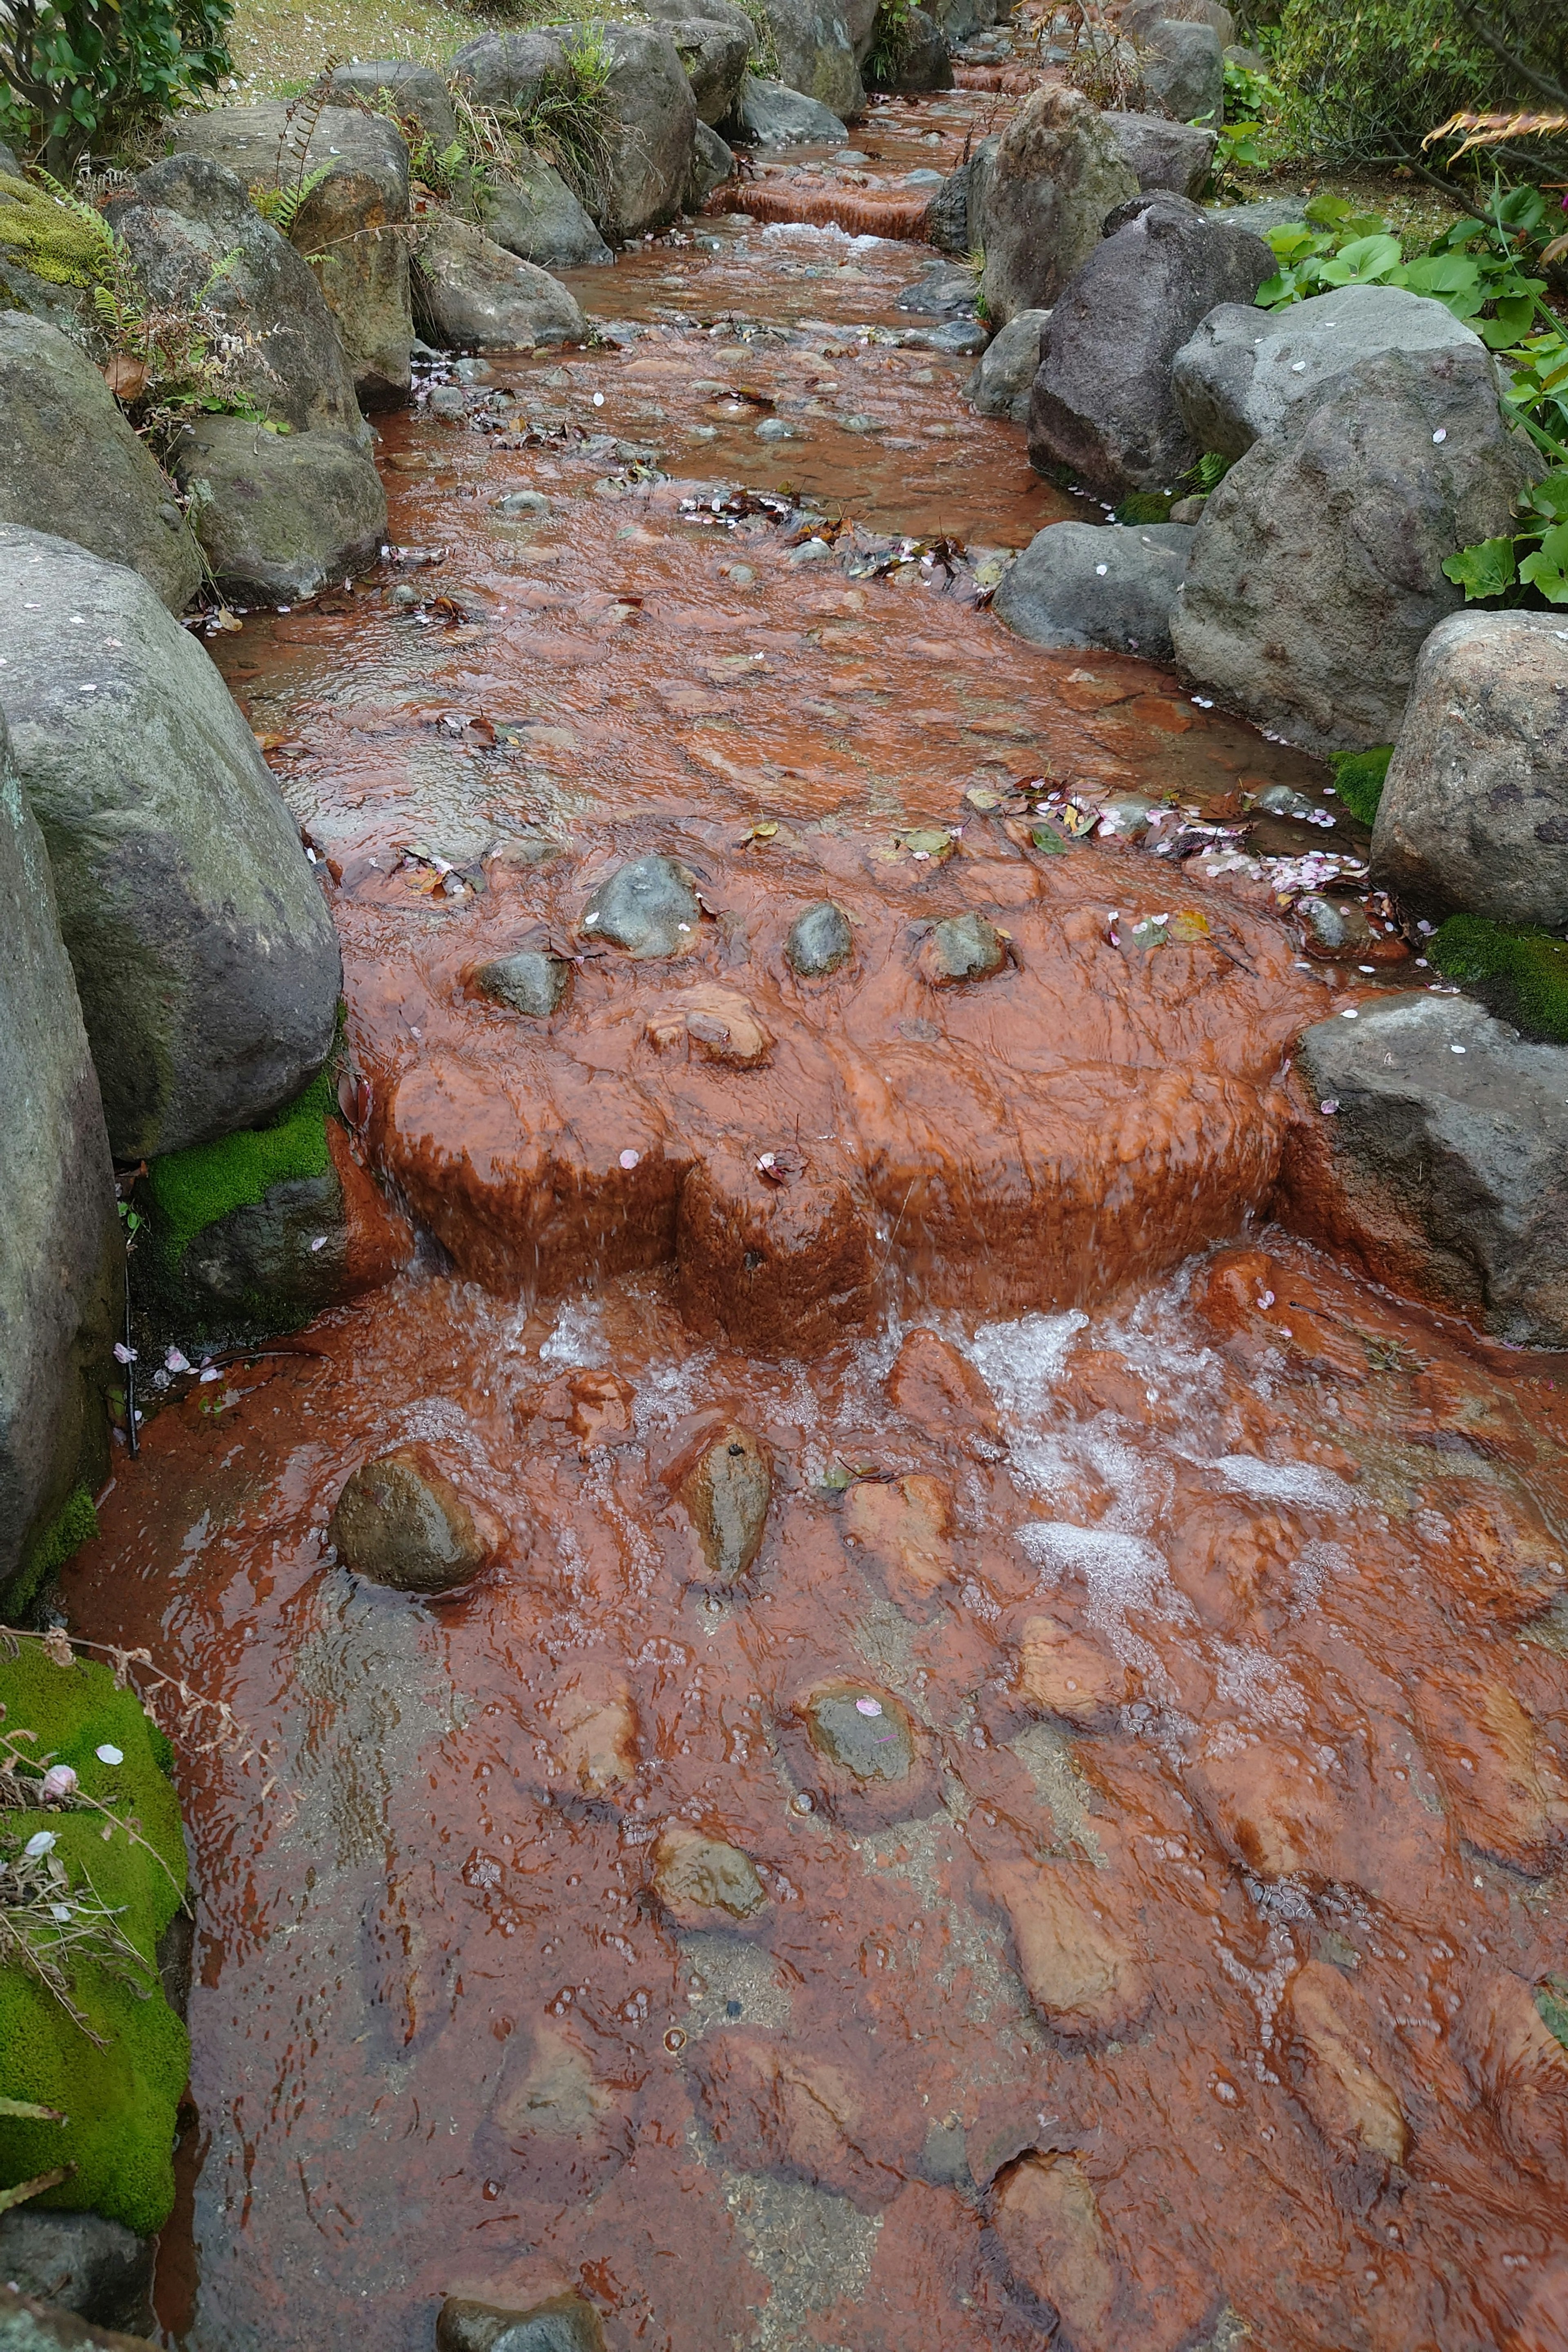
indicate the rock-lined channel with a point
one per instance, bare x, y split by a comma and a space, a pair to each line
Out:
994, 1756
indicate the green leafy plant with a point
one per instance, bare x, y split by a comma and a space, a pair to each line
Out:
1364, 83
1247, 136
281, 205
73, 72
765, 46
571, 119
1534, 556
890, 41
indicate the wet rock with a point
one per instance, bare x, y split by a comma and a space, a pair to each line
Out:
942, 293
597, 1737
712, 163
820, 940
1077, 1967
1333, 928
417, 94
98, 2269
469, 290
551, 2109
71, 464
29, 2325
1277, 1810
1175, 156
938, 1389
61, 1270
922, 62
1046, 2216
1444, 1167
1102, 409
864, 1733
1504, 1788
703, 1883
1183, 70
279, 515
1235, 386
1056, 174
960, 948
1474, 813
1317, 572
816, 55
905, 1526
351, 218
535, 214
953, 221
714, 58
780, 1268
1078, 584
1067, 1673
400, 1521
182, 219
773, 2107
1005, 378
565, 2324
648, 907
601, 1408
532, 982
1521, 2068
728, 1490
719, 1024
1349, 2099
203, 954
770, 114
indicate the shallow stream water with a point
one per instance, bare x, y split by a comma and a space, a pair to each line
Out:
1209, 1597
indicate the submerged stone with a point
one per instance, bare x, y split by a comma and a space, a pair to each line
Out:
820, 940
864, 1732
963, 947
647, 907
532, 981
698, 1877
400, 1521
565, 2324
727, 1492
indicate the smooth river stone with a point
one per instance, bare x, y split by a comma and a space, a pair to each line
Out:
877, 1746
532, 981
820, 939
647, 907
963, 947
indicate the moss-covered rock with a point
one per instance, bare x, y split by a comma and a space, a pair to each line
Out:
1359, 779
119, 2091
1519, 972
74, 1524
56, 241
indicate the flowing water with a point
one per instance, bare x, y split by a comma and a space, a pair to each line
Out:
1208, 1598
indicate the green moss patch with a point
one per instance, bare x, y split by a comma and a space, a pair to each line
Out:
1145, 505
192, 1190
56, 241
74, 1524
1358, 780
120, 2100
1519, 972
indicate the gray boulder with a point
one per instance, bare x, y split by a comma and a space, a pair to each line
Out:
1182, 71
1005, 378
1263, 214
955, 222
1445, 1164
204, 953
279, 515
1056, 174
535, 216
187, 215
769, 115
1078, 584
1474, 813
943, 293
1317, 572
71, 464
1244, 368
711, 12
415, 94
713, 55
1139, 15
510, 69
400, 1521
350, 220
472, 293
27, 2325
1102, 409
820, 940
58, 1272
816, 53
647, 907
1176, 156
565, 2324
712, 163
922, 62
98, 2268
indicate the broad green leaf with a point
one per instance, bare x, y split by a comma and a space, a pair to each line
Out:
1327, 212
1362, 261
1546, 568
1513, 316
1550, 496
1440, 274
1485, 569
1275, 291
1522, 208
1289, 243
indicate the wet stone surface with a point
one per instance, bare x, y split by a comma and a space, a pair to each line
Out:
820, 940
530, 983
865, 1732
648, 908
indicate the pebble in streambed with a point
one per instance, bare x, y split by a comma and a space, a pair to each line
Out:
400, 1521
647, 907
532, 982
727, 1491
820, 940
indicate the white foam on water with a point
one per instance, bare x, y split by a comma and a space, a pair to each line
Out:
577, 1340
1257, 1687
1285, 1482
1020, 1362
1316, 1566
1120, 1572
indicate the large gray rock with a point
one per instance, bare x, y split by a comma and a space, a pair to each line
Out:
1445, 1164
98, 2269
71, 464
27, 2325
711, 12
1177, 156
713, 56
535, 216
1001, 382
816, 53
1102, 409
712, 163
1244, 368
1139, 15
472, 293
648, 907
943, 292
921, 61
1317, 572
1055, 176
415, 94
58, 1294
1182, 71
947, 222
1474, 813
1078, 584
652, 121
279, 515
186, 215
204, 953
769, 115
565, 2324
350, 221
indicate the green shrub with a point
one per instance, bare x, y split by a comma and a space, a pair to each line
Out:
120, 2097
1519, 972
1366, 84
76, 72
1358, 778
